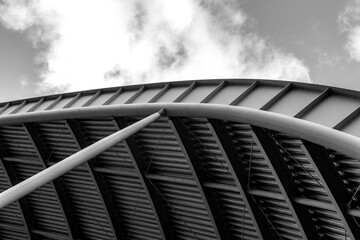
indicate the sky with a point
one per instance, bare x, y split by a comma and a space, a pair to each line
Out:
57, 46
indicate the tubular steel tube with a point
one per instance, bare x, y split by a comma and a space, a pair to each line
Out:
312, 132
29, 185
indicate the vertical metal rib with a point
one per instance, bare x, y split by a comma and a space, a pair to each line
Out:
238, 171
197, 171
43, 155
287, 185
107, 202
151, 192
333, 184
24, 209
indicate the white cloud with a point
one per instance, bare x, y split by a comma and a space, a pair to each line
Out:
349, 21
24, 81
91, 43
326, 58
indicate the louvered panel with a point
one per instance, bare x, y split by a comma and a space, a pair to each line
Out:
82, 193
133, 206
348, 168
45, 197
187, 212
16, 142
173, 179
301, 168
41, 200
309, 184
330, 225
220, 179
87, 205
281, 218
57, 138
12, 225
123, 182
236, 215
10, 233
261, 177
169, 158
349, 171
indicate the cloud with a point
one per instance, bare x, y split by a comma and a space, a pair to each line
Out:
24, 81
349, 22
329, 59
91, 43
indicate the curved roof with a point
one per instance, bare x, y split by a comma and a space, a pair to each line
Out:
231, 159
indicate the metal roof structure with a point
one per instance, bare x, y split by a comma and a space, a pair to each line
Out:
228, 159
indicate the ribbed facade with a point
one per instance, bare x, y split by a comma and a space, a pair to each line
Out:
188, 175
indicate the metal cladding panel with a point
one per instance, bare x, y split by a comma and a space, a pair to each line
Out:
352, 127
172, 93
349, 169
12, 225
27, 107
332, 110
101, 99
42, 106
229, 93
177, 169
81, 101
301, 168
198, 93
82, 193
116, 166
123, 97
221, 181
261, 177
310, 185
169, 172
62, 103
259, 96
9, 109
146, 95
43, 203
294, 101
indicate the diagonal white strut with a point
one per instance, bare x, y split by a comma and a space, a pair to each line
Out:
31, 184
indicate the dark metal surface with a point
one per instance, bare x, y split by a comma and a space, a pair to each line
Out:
20, 208
141, 168
99, 183
240, 174
44, 156
333, 184
286, 184
197, 170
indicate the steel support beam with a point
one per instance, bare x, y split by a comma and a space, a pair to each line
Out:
98, 180
56, 184
191, 155
333, 184
238, 171
330, 138
29, 185
23, 206
153, 195
274, 159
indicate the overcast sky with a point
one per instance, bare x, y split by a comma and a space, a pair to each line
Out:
66, 45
